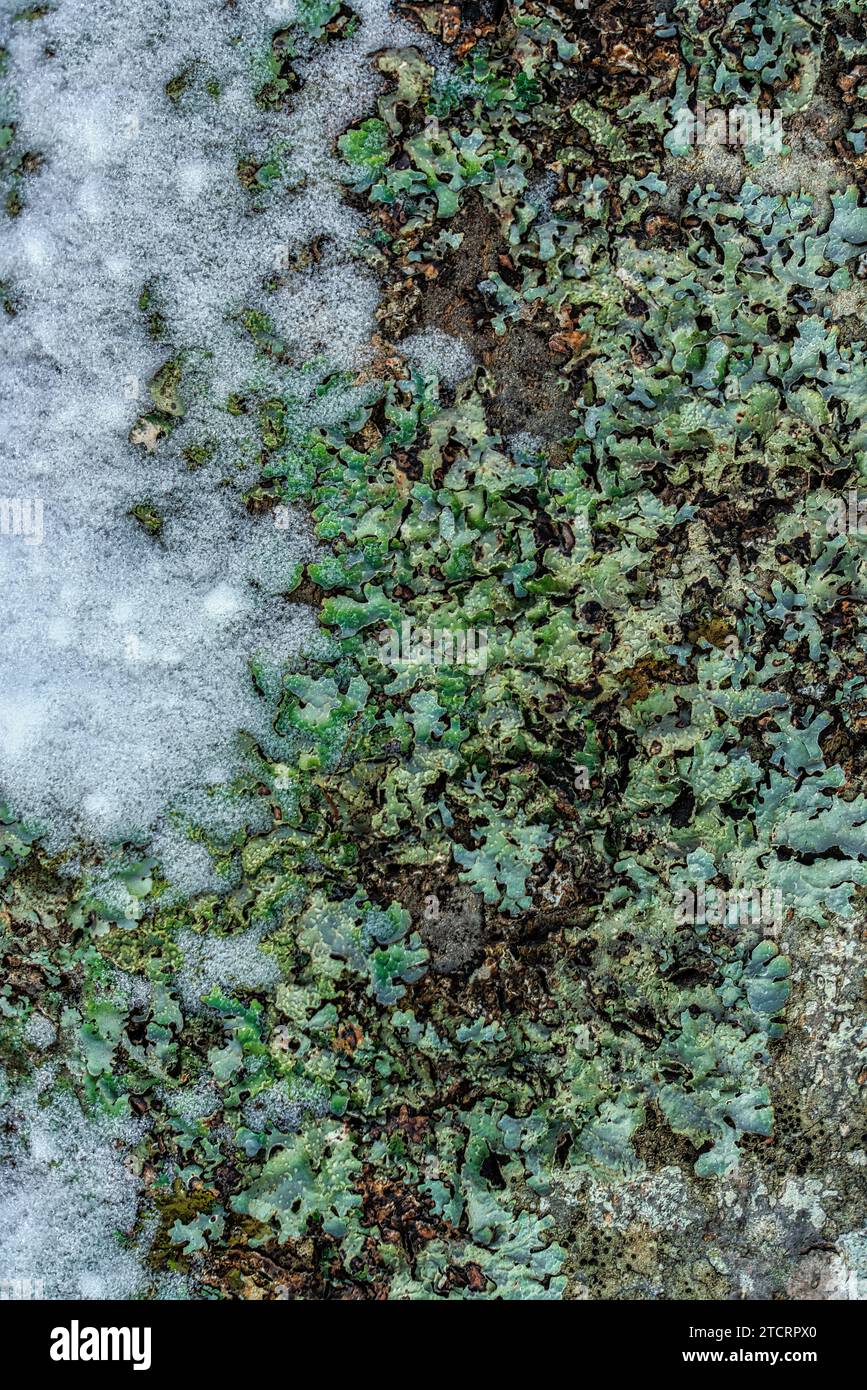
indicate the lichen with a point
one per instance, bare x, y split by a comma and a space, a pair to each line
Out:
445, 1031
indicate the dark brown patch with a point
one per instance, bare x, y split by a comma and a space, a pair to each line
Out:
528, 394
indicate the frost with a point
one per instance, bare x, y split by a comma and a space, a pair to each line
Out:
192, 1101
275, 1109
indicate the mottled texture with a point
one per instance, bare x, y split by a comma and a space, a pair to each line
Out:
487, 1053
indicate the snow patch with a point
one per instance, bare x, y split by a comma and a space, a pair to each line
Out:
225, 962
124, 666
438, 354
67, 1198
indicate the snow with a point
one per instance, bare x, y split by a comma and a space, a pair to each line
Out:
225, 962
124, 665
439, 354
39, 1031
66, 1198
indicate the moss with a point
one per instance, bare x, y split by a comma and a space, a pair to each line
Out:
147, 516
178, 85
198, 455
171, 1207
